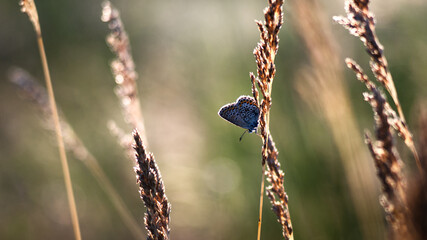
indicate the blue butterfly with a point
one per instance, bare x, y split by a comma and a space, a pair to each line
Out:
243, 113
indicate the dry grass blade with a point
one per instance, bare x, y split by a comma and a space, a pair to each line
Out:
152, 192
265, 53
393, 119
38, 95
386, 159
123, 68
29, 7
361, 23
322, 86
276, 191
148, 175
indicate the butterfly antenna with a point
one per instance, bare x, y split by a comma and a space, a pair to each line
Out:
240, 139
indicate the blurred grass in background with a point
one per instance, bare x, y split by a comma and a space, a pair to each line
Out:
192, 57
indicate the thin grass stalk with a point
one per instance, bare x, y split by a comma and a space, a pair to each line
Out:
36, 94
322, 86
123, 68
152, 191
393, 119
261, 201
361, 23
265, 53
255, 93
387, 160
29, 7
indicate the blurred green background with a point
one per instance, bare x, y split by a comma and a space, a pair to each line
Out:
192, 57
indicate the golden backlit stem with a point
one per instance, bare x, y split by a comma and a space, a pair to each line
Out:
261, 200
29, 7
63, 156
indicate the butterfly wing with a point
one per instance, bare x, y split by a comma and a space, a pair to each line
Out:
230, 112
249, 112
244, 113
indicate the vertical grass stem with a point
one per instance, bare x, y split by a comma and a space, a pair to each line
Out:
29, 7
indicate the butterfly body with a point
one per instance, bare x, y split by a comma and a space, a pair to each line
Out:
243, 113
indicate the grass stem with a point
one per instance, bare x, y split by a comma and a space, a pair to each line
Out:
29, 7
261, 200
59, 139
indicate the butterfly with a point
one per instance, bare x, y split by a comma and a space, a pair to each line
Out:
243, 113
